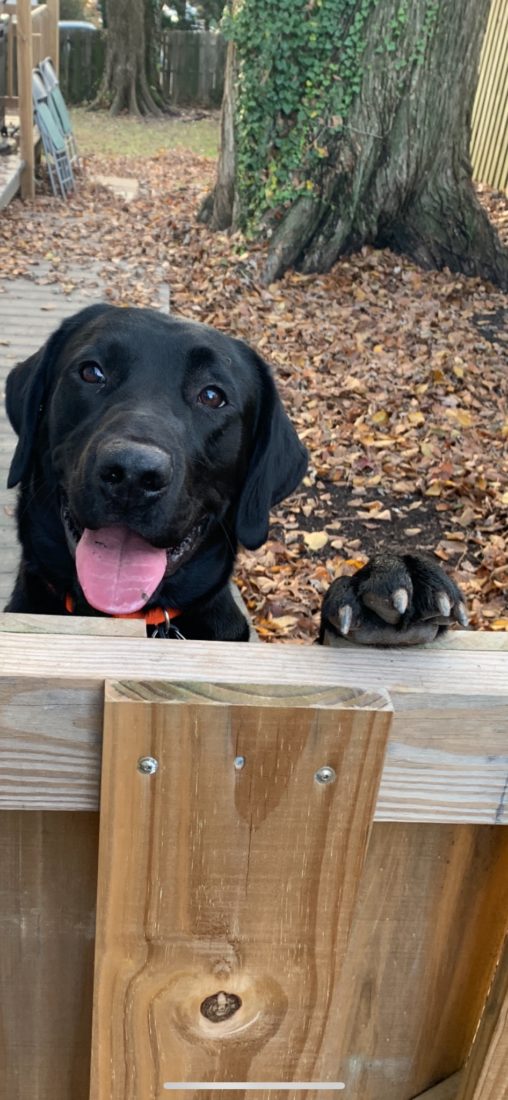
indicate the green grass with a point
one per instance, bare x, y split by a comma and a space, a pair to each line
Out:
98, 132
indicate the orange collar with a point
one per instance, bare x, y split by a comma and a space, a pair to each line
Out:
155, 617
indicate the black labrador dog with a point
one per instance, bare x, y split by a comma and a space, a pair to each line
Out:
149, 448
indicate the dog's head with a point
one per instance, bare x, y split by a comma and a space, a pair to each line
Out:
152, 428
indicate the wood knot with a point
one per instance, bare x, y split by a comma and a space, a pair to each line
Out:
220, 1006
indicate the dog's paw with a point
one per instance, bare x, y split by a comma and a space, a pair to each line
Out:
394, 600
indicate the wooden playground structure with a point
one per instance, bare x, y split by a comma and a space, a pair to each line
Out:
302, 867
32, 35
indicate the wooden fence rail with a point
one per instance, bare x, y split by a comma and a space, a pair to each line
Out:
253, 923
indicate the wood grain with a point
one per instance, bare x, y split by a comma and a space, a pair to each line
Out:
448, 753
50, 743
25, 66
216, 881
429, 924
486, 1074
12, 622
52, 16
47, 922
430, 921
446, 1090
400, 976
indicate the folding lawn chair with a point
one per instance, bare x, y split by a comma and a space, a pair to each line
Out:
53, 140
58, 106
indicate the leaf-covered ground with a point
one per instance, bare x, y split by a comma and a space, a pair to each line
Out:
396, 378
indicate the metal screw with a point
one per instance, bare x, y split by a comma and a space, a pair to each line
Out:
239, 763
325, 774
148, 765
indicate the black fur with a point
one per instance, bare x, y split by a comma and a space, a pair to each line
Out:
224, 468
367, 609
229, 465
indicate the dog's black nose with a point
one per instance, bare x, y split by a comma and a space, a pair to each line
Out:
133, 469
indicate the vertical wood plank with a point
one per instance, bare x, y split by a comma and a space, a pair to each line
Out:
25, 65
428, 929
47, 922
53, 15
486, 1072
225, 896
11, 36
489, 137
446, 1090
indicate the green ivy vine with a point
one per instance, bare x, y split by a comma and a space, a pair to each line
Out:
299, 71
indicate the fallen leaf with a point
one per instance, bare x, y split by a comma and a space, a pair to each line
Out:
315, 540
462, 416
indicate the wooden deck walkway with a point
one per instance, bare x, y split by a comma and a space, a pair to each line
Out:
28, 314
10, 178
11, 166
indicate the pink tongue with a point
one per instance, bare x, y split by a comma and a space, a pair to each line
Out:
118, 570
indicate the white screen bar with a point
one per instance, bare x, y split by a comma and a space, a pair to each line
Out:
330, 1086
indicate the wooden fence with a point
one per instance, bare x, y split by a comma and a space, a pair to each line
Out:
192, 67
295, 883
489, 144
82, 57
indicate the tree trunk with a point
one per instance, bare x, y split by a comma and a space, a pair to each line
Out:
219, 207
153, 33
395, 171
124, 86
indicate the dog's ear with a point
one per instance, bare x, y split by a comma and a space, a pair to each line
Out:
27, 386
277, 464
24, 393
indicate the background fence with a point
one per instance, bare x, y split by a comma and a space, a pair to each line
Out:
82, 56
489, 144
192, 66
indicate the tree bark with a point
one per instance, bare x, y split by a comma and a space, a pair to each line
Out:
219, 207
125, 86
397, 173
153, 32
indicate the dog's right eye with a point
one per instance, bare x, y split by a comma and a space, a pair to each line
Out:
92, 373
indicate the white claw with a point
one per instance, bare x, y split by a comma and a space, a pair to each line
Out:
461, 614
345, 619
400, 600
444, 604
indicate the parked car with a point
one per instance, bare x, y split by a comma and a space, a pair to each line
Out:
75, 25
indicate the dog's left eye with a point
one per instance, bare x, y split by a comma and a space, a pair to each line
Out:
213, 397
92, 373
